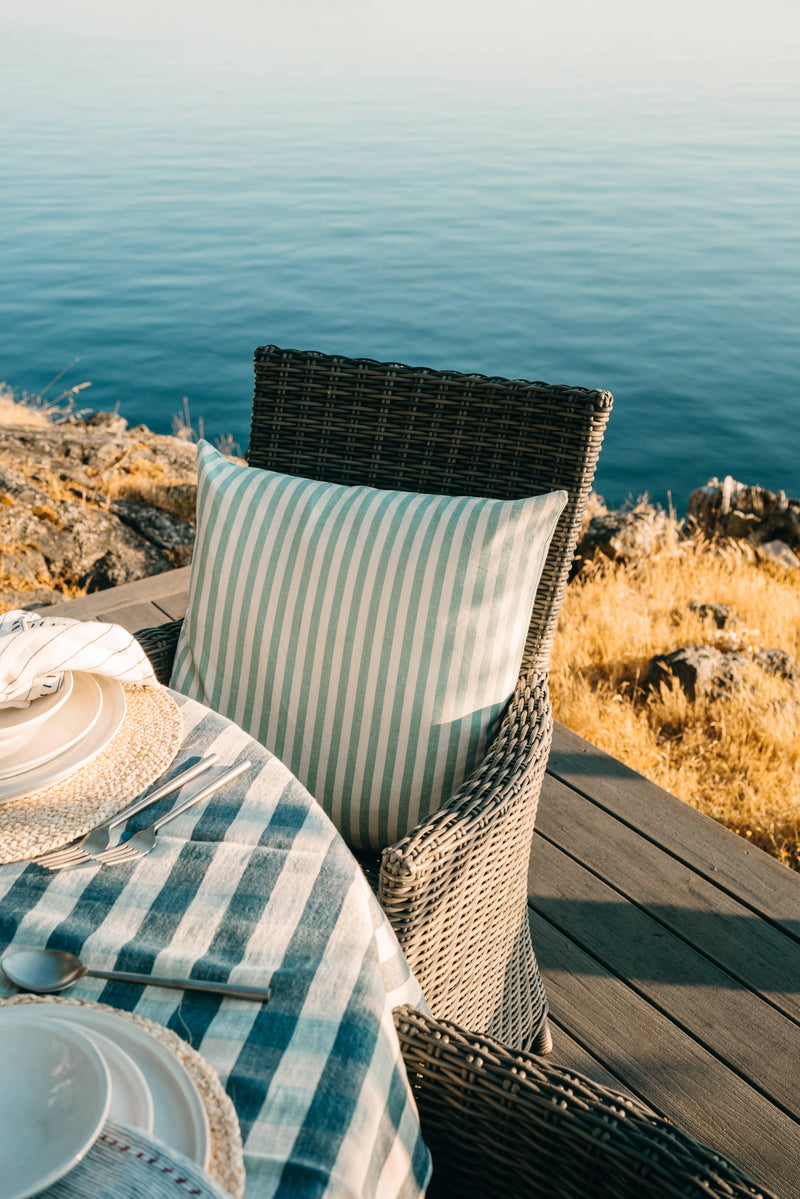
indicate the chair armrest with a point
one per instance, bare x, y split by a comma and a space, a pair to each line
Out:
455, 887
159, 644
499, 1122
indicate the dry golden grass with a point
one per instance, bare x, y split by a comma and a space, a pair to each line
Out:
12, 413
146, 482
33, 409
15, 585
735, 758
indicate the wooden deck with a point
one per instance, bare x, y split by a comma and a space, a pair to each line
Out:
670, 948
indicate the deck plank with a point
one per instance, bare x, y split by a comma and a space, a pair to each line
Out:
173, 606
714, 1009
751, 876
165, 588
664, 1067
759, 955
568, 1053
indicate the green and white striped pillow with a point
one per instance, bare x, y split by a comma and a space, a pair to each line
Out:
371, 639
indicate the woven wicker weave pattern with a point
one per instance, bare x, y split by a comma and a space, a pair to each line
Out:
454, 888
357, 421
469, 862
504, 1123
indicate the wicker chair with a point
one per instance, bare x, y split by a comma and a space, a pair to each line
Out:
498, 1122
454, 888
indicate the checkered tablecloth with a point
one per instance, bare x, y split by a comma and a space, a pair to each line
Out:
254, 886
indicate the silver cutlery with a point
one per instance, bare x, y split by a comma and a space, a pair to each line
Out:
142, 842
98, 839
44, 971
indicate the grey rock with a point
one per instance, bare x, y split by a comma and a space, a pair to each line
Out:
699, 670
625, 534
737, 510
159, 528
719, 613
778, 552
702, 670
29, 598
111, 422
17, 489
778, 662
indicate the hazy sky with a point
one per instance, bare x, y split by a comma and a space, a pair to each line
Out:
448, 36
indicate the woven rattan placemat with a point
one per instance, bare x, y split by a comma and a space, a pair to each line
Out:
226, 1164
142, 748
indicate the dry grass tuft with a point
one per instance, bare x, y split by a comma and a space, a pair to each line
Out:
14, 413
735, 758
144, 481
38, 409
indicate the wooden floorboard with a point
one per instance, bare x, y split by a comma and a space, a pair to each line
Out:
758, 881
760, 955
713, 1009
165, 592
663, 1066
570, 1054
669, 947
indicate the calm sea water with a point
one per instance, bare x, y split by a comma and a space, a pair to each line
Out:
159, 221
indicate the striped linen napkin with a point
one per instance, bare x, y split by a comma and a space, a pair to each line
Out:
130, 1164
36, 650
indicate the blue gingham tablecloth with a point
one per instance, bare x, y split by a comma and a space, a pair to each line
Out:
254, 886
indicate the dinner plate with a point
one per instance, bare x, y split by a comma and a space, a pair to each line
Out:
18, 725
60, 731
179, 1118
106, 724
53, 1102
131, 1101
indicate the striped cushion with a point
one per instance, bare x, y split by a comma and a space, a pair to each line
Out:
370, 639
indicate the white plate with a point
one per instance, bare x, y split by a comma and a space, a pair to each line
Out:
131, 1101
106, 725
73, 721
18, 725
53, 1101
179, 1118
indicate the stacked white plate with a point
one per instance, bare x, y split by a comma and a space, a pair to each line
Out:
66, 1070
58, 733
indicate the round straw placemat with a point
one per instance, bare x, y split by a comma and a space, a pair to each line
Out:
226, 1160
142, 748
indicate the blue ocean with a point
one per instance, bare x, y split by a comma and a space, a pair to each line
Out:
168, 204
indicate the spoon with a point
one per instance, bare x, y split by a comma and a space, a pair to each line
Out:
46, 970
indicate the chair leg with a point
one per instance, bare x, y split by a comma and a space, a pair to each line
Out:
543, 1041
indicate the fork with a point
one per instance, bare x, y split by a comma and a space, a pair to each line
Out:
97, 839
143, 842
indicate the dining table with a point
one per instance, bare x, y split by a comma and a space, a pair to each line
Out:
253, 886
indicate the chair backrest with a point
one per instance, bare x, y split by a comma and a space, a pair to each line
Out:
381, 424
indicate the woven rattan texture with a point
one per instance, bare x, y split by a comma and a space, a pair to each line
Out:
226, 1161
160, 644
454, 888
357, 421
144, 746
499, 1122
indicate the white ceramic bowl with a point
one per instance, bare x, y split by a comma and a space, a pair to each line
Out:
20, 725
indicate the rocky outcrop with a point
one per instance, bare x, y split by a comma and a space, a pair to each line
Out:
767, 520
89, 504
622, 534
